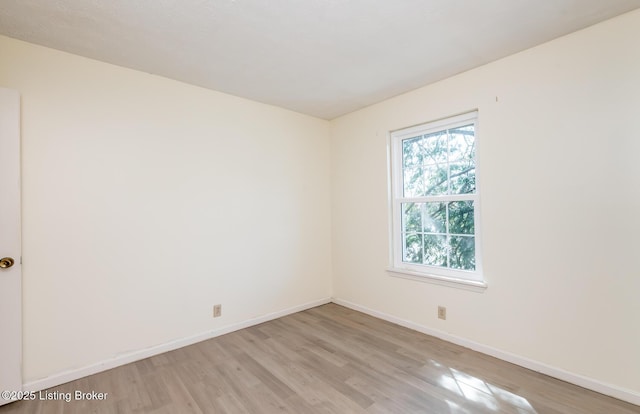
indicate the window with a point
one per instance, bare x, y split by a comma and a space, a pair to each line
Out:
435, 222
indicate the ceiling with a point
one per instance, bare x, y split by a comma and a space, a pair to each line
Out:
324, 58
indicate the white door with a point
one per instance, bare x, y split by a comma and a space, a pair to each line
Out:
10, 266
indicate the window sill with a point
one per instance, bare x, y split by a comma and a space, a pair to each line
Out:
471, 285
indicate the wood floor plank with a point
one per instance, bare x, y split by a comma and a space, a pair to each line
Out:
328, 359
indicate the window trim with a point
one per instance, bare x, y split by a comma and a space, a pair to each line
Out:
471, 280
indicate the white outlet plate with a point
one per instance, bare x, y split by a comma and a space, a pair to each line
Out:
442, 312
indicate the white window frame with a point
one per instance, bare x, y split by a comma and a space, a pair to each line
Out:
473, 280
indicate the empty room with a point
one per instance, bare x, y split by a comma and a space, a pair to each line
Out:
322, 206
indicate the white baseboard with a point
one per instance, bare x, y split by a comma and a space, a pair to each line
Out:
74, 374
623, 394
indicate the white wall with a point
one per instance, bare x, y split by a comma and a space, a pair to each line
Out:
146, 201
558, 151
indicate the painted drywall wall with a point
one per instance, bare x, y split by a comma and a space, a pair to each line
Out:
147, 201
559, 174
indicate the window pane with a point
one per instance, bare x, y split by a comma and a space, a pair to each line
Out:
435, 216
463, 178
435, 177
435, 250
411, 218
461, 217
462, 252
413, 182
412, 154
412, 248
462, 144
434, 147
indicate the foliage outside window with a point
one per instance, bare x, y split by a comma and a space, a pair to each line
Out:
435, 199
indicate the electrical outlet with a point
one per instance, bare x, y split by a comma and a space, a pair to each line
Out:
442, 312
217, 311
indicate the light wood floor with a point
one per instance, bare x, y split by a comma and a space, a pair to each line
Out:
329, 359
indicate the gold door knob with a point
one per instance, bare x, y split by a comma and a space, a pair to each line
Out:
6, 262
